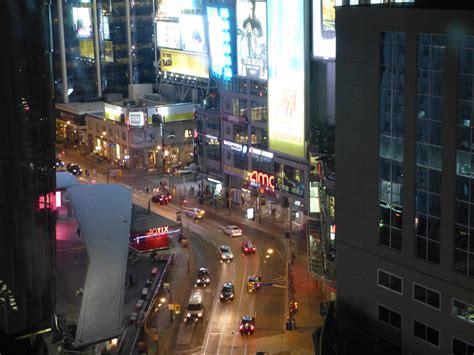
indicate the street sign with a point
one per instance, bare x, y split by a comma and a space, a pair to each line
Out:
266, 283
177, 308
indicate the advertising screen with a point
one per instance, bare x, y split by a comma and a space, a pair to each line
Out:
286, 79
136, 119
81, 17
167, 34
105, 27
220, 42
112, 112
191, 64
289, 179
324, 29
169, 9
108, 51
193, 38
252, 38
86, 48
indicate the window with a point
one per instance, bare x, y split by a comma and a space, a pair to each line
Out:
97, 127
388, 316
124, 137
430, 101
427, 296
462, 348
463, 311
390, 281
391, 139
428, 334
464, 203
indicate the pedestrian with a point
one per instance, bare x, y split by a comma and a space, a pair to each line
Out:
93, 171
78, 232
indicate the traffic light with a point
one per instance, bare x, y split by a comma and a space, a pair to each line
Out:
177, 308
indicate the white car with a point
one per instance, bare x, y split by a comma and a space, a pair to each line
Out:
233, 231
225, 253
195, 213
184, 171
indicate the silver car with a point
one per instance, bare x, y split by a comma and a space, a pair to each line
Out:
232, 231
225, 253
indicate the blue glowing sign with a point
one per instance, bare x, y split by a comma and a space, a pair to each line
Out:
220, 42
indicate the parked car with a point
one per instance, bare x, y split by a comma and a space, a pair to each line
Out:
225, 253
232, 231
74, 169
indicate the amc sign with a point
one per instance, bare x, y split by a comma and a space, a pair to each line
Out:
263, 180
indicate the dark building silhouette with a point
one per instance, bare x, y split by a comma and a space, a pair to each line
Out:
27, 176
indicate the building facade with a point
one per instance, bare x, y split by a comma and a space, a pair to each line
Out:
27, 178
403, 148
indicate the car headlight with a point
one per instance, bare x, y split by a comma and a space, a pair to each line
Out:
207, 280
222, 296
198, 280
188, 315
224, 257
199, 314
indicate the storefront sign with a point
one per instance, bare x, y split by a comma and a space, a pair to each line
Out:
262, 179
158, 230
234, 146
256, 151
236, 171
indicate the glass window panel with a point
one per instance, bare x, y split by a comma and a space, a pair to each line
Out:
399, 78
385, 123
422, 154
419, 293
463, 163
423, 82
397, 146
384, 215
384, 235
424, 39
397, 219
433, 252
384, 279
423, 105
459, 347
464, 138
439, 40
432, 298
462, 213
385, 147
397, 172
384, 169
421, 225
432, 336
461, 238
422, 130
396, 242
465, 87
387, 54
464, 113
436, 108
396, 283
421, 247
396, 319
385, 100
472, 187
434, 205
398, 102
421, 178
418, 330
424, 57
462, 188
421, 202
460, 261
384, 314
386, 80
436, 83
435, 181
471, 264
437, 58
436, 157
398, 125
466, 61
434, 226
435, 132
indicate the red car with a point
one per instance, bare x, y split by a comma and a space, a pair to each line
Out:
162, 199
248, 247
247, 325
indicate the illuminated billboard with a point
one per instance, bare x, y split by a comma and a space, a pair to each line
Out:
252, 38
286, 79
105, 30
190, 64
81, 17
136, 119
193, 38
169, 9
167, 34
220, 42
324, 29
112, 112
86, 48
108, 51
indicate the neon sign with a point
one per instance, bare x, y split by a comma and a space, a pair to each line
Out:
158, 230
262, 179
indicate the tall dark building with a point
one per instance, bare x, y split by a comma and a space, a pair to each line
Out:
27, 174
405, 177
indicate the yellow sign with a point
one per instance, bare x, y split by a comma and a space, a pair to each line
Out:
177, 308
191, 64
86, 48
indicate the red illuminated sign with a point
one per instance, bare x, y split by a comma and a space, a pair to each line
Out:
158, 230
262, 179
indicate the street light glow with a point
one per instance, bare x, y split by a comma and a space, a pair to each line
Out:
270, 251
162, 299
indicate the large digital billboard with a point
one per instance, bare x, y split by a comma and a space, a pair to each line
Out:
191, 64
167, 34
324, 29
286, 79
220, 46
81, 17
193, 38
252, 38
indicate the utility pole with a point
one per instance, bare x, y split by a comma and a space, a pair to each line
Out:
229, 201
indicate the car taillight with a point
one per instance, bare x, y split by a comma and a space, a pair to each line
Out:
252, 327
246, 249
241, 326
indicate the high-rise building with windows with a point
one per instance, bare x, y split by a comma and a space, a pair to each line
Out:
27, 177
405, 256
